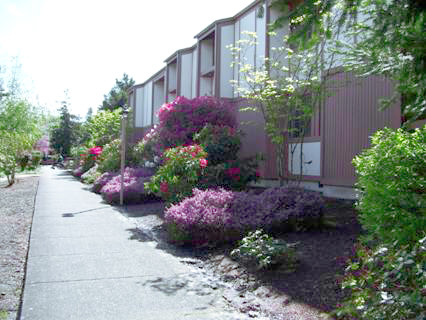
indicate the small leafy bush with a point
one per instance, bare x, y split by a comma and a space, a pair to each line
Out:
221, 143
392, 179
102, 180
262, 251
36, 157
88, 157
217, 215
24, 161
181, 170
134, 180
386, 283
110, 159
90, 175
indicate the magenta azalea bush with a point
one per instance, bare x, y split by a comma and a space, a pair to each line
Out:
181, 119
134, 180
217, 215
180, 172
102, 180
78, 172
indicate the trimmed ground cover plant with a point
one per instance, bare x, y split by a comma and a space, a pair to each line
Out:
102, 180
216, 215
134, 180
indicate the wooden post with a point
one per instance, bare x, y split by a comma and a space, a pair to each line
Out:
123, 151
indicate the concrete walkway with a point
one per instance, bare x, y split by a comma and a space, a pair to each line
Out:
83, 264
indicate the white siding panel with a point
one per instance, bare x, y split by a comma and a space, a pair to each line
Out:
207, 54
247, 54
172, 76
139, 108
147, 104
226, 71
261, 37
276, 41
194, 73
248, 23
186, 75
311, 159
236, 39
206, 86
159, 98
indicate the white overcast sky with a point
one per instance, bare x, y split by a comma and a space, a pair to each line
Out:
84, 45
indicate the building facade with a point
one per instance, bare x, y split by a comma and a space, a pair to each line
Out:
338, 131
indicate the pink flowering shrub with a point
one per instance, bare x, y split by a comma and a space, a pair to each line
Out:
78, 172
102, 180
88, 157
217, 215
95, 152
180, 172
182, 118
134, 180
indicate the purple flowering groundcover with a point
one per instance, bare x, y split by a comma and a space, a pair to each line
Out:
134, 179
216, 215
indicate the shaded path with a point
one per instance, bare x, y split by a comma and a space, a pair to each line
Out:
83, 264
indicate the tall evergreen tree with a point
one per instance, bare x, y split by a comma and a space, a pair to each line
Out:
65, 133
117, 97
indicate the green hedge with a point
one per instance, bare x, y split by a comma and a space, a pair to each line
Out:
392, 179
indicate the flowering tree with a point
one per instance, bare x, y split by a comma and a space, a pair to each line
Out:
288, 86
43, 145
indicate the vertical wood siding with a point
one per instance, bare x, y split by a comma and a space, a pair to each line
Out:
349, 117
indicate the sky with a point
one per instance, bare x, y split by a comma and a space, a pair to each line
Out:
82, 46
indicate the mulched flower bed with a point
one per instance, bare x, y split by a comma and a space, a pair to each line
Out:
308, 293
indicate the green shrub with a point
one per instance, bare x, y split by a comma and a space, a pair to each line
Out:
104, 127
392, 180
389, 280
221, 143
387, 283
36, 157
263, 251
23, 161
91, 175
179, 174
109, 161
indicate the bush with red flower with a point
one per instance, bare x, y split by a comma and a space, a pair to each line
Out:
232, 174
180, 172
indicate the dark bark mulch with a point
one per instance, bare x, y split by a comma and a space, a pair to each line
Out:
323, 254
314, 289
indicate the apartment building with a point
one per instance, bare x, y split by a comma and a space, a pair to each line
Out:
338, 131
